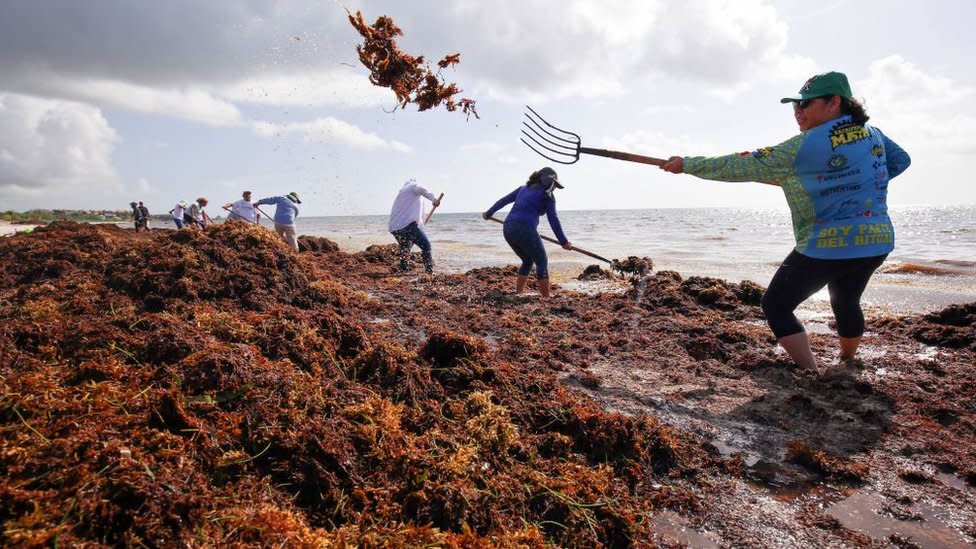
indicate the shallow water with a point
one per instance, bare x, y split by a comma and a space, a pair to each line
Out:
869, 512
933, 265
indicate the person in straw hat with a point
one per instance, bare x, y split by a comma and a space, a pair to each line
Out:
286, 210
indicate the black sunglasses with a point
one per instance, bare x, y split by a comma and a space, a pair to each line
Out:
806, 102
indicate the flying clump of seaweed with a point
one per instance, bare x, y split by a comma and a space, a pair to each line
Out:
410, 78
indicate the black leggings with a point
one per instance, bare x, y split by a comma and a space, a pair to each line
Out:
799, 277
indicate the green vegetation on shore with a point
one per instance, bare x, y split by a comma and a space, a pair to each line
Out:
38, 217
46, 216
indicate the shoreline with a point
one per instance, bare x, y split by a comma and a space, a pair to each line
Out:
7, 228
893, 290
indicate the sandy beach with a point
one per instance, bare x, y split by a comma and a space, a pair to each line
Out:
8, 228
214, 387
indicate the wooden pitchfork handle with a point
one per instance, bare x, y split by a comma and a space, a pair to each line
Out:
623, 156
265, 215
429, 214
554, 241
233, 213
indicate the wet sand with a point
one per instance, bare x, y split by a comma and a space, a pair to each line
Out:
7, 228
215, 388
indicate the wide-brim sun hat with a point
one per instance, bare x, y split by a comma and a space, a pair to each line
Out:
820, 85
293, 196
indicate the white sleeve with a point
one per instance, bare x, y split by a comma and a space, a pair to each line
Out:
422, 191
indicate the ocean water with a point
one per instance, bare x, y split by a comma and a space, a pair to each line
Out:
933, 265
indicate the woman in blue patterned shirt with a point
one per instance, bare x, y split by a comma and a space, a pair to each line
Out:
835, 175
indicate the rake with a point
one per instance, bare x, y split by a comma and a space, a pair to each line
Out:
554, 241
564, 147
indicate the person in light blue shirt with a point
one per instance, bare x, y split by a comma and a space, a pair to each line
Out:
521, 227
835, 176
286, 210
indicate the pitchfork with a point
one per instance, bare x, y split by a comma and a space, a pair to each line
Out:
565, 146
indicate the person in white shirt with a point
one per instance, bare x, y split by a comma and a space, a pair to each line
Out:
196, 215
406, 222
243, 209
178, 212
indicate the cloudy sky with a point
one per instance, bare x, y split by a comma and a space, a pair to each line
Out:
107, 101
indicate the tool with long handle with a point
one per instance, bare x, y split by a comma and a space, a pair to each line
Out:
431, 212
236, 215
265, 215
565, 147
554, 241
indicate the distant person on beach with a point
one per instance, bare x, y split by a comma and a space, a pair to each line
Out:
197, 215
835, 175
284, 217
138, 218
144, 211
178, 212
521, 227
406, 223
243, 209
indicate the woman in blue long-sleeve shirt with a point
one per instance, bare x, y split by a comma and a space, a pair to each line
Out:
521, 228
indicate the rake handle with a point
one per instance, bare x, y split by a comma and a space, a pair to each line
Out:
232, 212
431, 213
623, 156
554, 241
265, 215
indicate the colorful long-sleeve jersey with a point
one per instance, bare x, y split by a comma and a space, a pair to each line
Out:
531, 201
835, 178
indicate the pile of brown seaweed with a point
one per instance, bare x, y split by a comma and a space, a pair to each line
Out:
213, 387
408, 76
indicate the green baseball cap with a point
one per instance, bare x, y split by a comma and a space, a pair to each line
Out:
828, 83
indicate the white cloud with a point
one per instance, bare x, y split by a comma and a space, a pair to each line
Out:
54, 146
163, 62
606, 49
329, 129
157, 44
896, 83
342, 88
918, 108
190, 103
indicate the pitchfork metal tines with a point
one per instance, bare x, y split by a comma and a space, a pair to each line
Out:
565, 147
